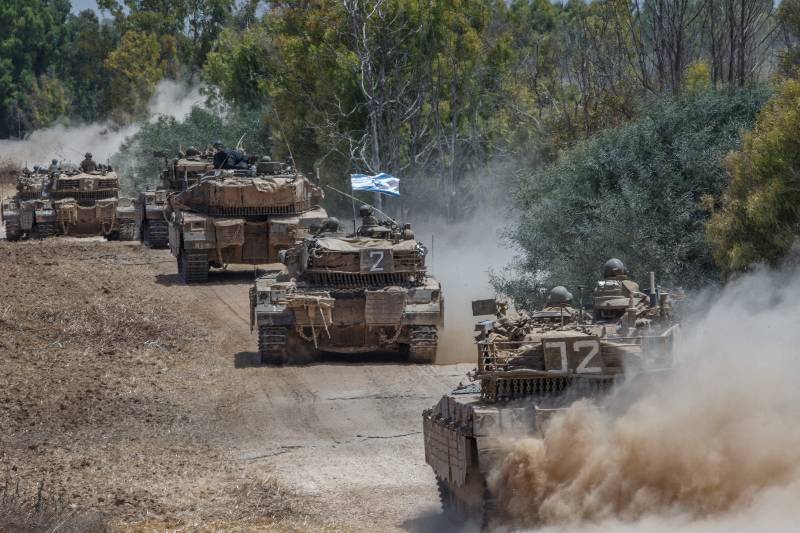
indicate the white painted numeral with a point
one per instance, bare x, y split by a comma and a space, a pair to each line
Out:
377, 257
594, 349
562, 348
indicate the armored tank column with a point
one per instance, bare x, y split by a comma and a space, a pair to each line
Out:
530, 367
349, 293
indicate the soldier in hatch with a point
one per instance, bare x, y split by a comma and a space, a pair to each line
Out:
228, 158
87, 165
53, 166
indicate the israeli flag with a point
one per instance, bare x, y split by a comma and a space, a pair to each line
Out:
383, 183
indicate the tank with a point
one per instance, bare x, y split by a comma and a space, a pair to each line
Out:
152, 225
29, 213
240, 216
88, 203
530, 367
345, 294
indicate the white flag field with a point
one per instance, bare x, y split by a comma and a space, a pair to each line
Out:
382, 183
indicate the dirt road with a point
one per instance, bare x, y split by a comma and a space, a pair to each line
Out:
344, 432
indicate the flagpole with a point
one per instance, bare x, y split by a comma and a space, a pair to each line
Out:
354, 198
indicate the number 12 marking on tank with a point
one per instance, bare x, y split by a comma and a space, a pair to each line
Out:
577, 358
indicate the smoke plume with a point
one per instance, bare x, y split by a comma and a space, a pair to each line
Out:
714, 447
460, 256
69, 143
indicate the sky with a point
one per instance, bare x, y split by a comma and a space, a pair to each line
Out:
80, 5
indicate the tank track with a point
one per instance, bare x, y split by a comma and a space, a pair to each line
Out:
470, 503
272, 344
155, 234
193, 266
127, 231
13, 232
422, 344
44, 230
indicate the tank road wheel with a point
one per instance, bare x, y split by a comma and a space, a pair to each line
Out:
127, 231
155, 234
193, 265
422, 341
272, 344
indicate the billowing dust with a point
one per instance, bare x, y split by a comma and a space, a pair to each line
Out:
715, 447
460, 256
68, 143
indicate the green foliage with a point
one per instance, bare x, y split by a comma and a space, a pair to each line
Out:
200, 128
136, 66
31, 38
639, 192
758, 222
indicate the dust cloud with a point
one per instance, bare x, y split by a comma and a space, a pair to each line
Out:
714, 447
460, 256
69, 143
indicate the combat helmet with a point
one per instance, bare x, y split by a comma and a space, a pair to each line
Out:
559, 296
365, 211
614, 268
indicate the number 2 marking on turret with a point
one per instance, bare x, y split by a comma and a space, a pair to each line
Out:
377, 256
594, 349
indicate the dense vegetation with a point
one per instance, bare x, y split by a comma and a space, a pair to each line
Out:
612, 117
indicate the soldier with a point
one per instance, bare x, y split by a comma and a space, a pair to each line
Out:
367, 220
53, 166
330, 225
218, 145
192, 152
87, 165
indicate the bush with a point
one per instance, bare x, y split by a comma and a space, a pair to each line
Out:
642, 192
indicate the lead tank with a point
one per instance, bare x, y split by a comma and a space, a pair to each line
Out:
152, 226
241, 216
531, 366
364, 292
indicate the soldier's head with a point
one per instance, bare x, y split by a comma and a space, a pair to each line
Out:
218, 145
190, 151
266, 159
365, 211
88, 155
331, 224
614, 268
559, 296
54, 162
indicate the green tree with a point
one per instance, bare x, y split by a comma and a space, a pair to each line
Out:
136, 66
758, 221
31, 38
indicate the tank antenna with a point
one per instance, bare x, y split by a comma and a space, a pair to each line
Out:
365, 203
285, 139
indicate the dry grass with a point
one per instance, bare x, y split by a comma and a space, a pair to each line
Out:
41, 512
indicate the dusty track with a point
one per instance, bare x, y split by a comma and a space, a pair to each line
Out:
193, 433
345, 433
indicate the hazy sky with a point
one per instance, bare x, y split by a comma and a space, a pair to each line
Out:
80, 5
